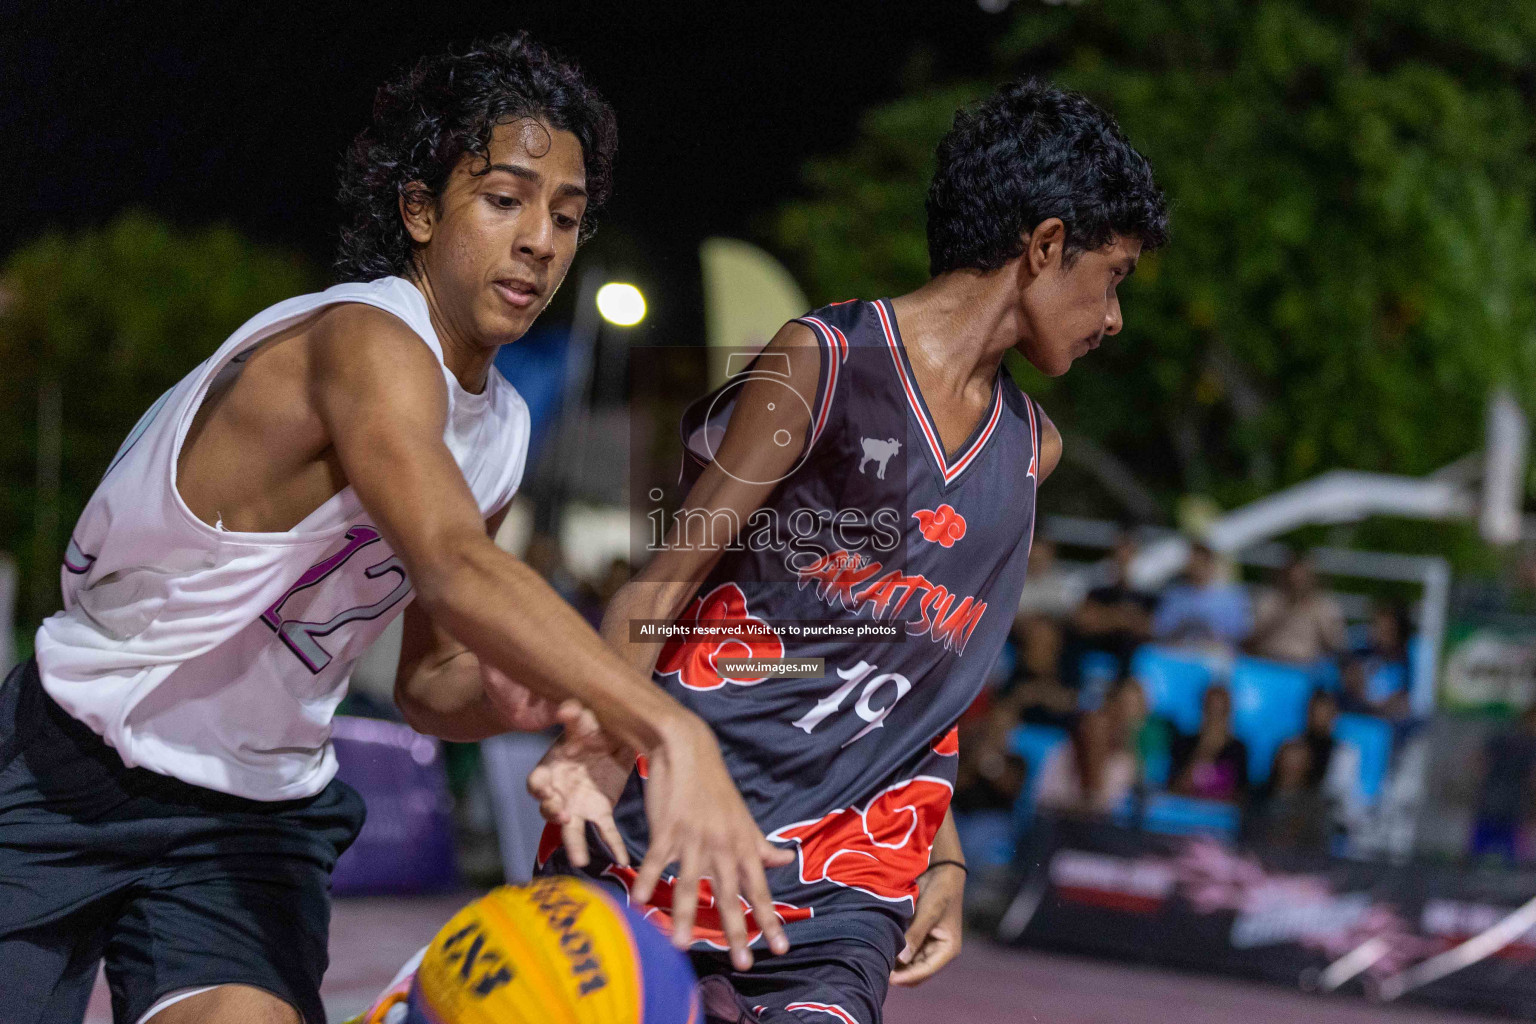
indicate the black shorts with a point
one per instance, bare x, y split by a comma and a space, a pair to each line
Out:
818, 983
175, 886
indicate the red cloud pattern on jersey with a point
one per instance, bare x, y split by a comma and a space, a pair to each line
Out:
949, 744
942, 525
707, 926
744, 635
879, 850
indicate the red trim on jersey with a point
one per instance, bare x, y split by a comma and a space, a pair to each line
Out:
836, 356
950, 473
1035, 437
830, 1009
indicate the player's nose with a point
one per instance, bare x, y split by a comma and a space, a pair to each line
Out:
537, 239
1112, 319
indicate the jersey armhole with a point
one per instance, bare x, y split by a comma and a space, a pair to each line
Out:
1036, 435
834, 354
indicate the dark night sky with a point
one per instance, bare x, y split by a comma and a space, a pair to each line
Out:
239, 113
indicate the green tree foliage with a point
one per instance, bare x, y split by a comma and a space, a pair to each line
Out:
108, 320
1353, 254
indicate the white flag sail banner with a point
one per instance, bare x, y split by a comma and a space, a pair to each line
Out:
748, 296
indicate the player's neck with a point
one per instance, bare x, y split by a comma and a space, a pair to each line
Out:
466, 358
959, 324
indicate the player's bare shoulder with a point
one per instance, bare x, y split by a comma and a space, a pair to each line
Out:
352, 344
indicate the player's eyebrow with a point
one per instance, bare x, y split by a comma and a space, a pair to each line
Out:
1128, 266
528, 174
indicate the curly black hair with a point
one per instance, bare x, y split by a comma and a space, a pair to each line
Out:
1025, 154
444, 107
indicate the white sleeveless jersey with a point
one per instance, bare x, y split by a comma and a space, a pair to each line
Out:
219, 657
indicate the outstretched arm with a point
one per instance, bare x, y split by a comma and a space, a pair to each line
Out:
380, 395
444, 689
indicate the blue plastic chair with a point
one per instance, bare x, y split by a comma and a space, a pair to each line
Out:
1175, 683
1171, 815
1326, 675
1269, 706
1373, 737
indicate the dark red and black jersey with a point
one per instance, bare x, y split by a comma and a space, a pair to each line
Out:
876, 524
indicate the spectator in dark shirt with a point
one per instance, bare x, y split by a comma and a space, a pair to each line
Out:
1212, 764
1291, 812
1115, 618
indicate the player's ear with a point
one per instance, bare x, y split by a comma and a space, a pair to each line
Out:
418, 211
1044, 245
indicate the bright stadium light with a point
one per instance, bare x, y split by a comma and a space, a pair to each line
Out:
621, 304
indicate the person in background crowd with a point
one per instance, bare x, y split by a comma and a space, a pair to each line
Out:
1203, 610
1291, 812
1356, 698
1099, 767
989, 775
1386, 650
1334, 767
1115, 617
1213, 763
1295, 621
1037, 693
1048, 591
1504, 799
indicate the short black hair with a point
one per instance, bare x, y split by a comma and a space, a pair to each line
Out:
1025, 154
448, 105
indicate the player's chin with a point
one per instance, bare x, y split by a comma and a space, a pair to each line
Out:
506, 323
1055, 364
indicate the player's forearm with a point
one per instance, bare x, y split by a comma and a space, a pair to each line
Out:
946, 842
448, 700
642, 600
508, 615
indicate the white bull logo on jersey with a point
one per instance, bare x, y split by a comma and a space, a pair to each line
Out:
878, 450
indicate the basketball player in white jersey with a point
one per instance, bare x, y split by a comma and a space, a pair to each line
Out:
167, 800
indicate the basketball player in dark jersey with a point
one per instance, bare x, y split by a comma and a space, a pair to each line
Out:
865, 495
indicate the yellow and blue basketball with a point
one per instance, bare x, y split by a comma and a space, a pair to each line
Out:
558, 951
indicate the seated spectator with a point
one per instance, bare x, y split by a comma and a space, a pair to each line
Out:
1295, 621
1386, 650
1036, 693
1115, 617
1505, 796
1094, 772
1290, 812
1048, 591
1203, 609
1213, 763
1355, 693
1334, 767
989, 776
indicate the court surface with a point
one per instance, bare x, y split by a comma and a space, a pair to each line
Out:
371, 937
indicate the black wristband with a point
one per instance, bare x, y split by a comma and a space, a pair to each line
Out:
940, 863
